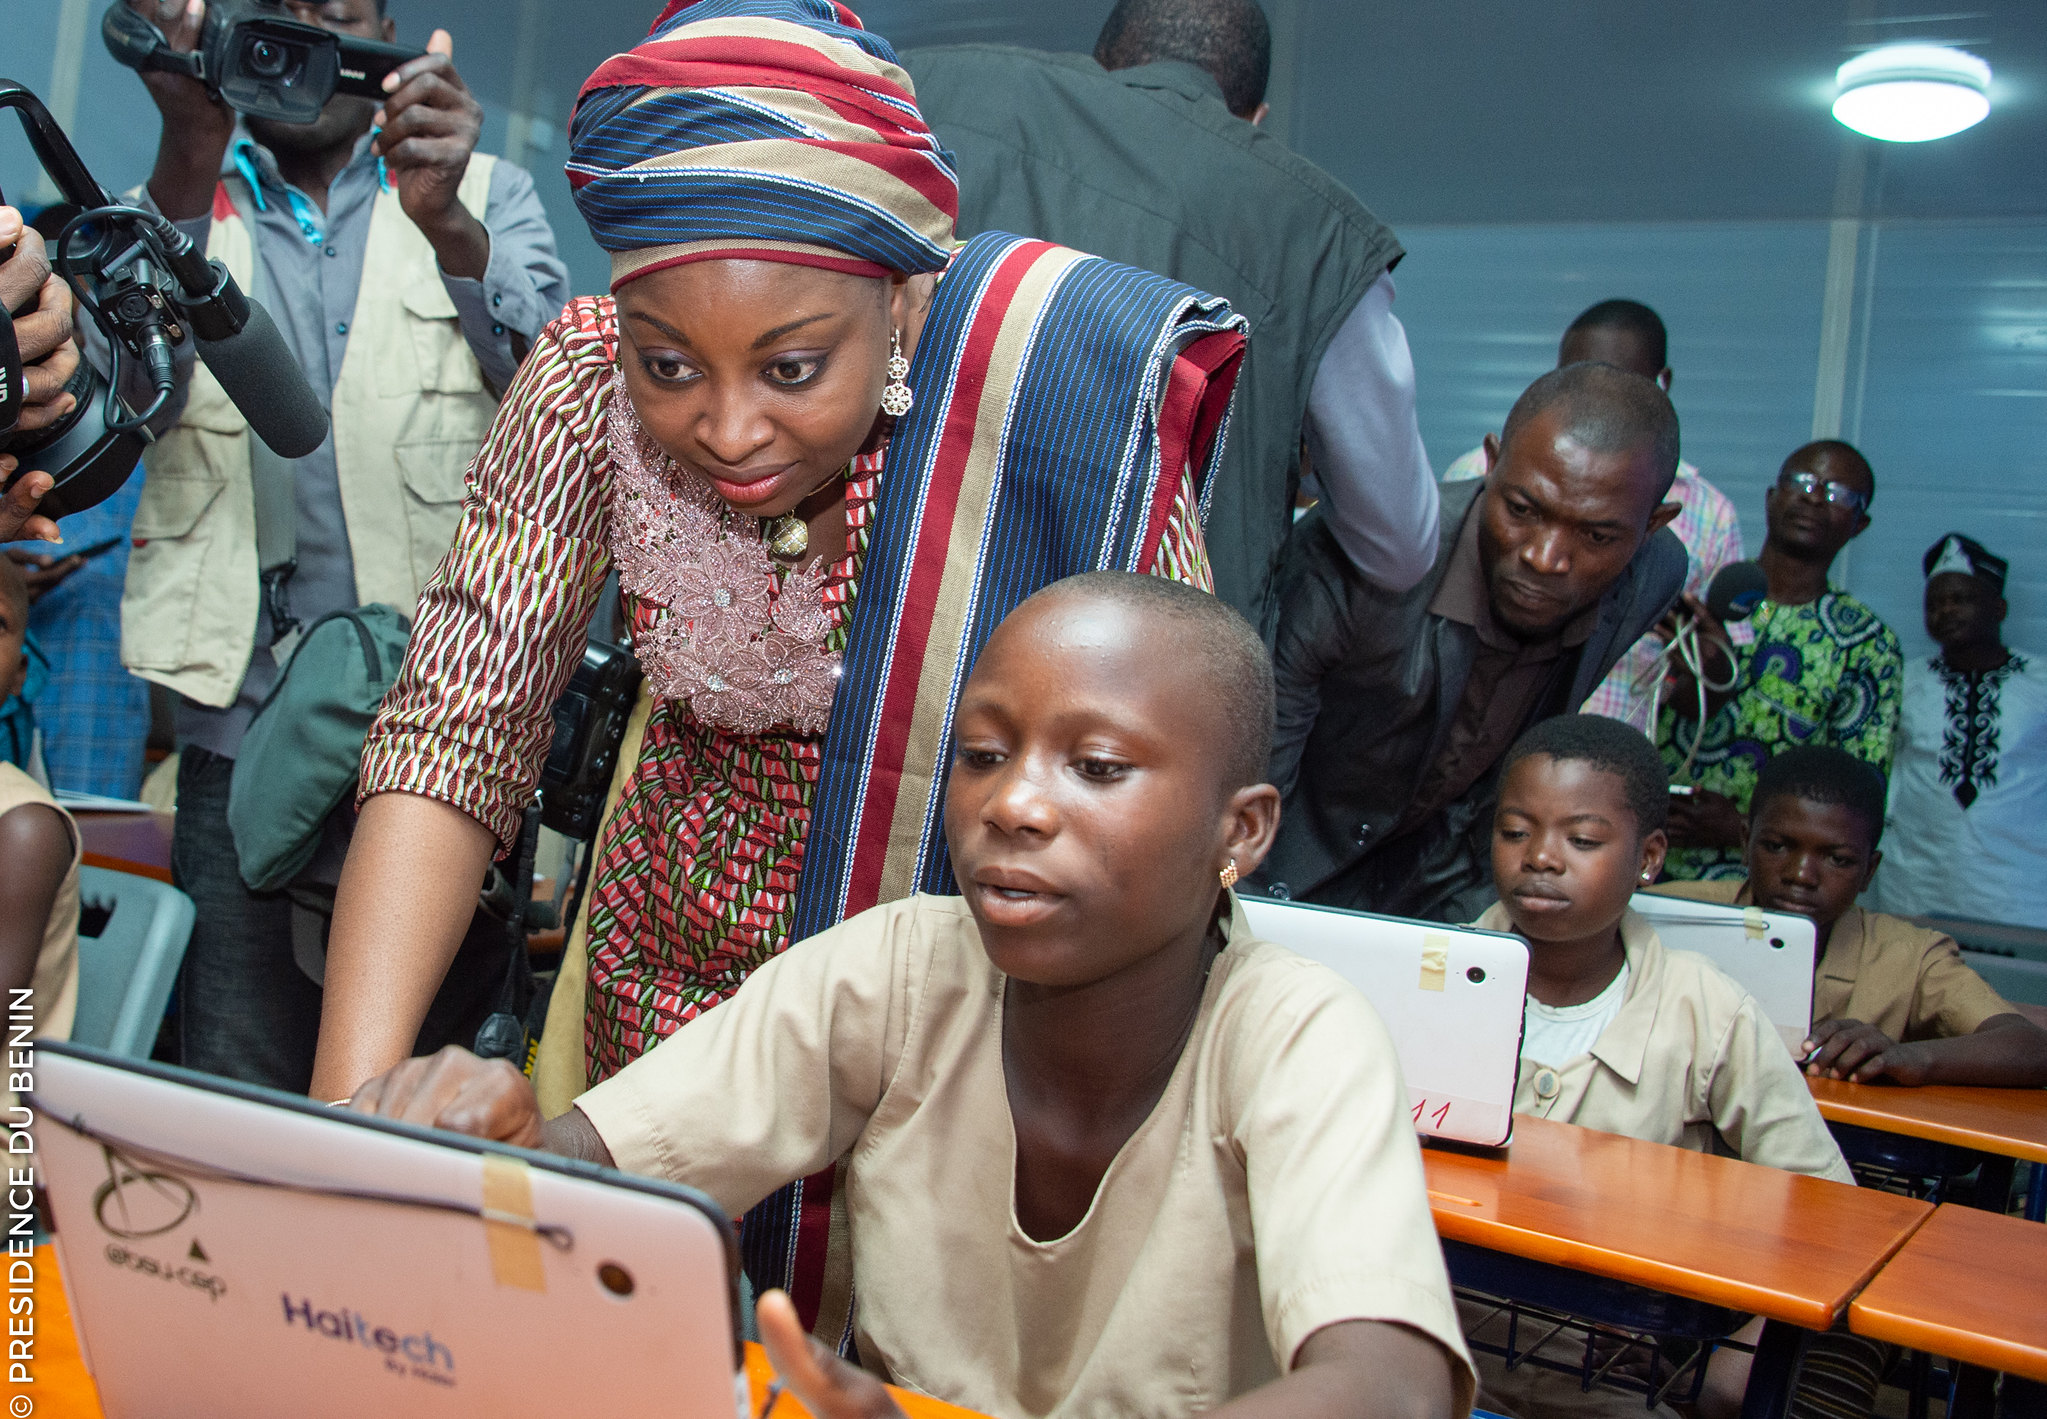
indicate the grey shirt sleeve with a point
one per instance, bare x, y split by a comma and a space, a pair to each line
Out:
1378, 492
524, 285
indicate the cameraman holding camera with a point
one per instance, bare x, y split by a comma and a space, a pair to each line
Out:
408, 275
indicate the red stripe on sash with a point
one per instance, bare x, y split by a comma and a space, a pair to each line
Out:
926, 575
1196, 400
813, 1233
726, 61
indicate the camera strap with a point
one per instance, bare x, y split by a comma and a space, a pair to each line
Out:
275, 485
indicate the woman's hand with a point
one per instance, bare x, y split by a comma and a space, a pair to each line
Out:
828, 1386
484, 1098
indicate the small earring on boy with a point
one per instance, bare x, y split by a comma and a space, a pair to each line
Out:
1648, 876
1228, 876
896, 396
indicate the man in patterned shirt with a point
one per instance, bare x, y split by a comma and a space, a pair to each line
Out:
1630, 335
1968, 787
1823, 669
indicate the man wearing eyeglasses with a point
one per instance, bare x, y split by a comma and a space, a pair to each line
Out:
1823, 669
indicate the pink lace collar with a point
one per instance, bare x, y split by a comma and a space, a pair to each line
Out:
742, 641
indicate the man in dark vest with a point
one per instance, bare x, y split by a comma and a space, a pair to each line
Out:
1149, 153
1395, 709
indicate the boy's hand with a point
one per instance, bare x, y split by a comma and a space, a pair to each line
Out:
484, 1098
828, 1386
1859, 1052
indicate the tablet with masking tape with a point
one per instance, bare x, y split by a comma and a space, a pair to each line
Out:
1450, 996
1770, 954
237, 1253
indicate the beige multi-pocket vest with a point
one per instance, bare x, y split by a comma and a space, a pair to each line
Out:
410, 408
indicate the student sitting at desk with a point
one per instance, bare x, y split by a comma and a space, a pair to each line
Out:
1622, 1034
1890, 1000
1110, 1154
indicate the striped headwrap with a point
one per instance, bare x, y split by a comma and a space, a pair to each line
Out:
775, 130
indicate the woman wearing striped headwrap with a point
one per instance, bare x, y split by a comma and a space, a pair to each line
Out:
827, 448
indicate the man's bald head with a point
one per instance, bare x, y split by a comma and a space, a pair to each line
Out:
1193, 627
1618, 332
1228, 38
1607, 410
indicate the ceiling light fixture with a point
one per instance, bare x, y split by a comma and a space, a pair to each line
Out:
1912, 93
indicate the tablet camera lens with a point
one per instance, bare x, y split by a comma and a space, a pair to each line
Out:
616, 1278
1476, 975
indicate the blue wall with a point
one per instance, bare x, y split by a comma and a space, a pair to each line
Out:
1947, 374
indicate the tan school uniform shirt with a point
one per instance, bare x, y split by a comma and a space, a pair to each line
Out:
1275, 1189
1689, 1060
1908, 981
56, 974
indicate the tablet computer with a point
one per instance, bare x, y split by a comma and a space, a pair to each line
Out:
237, 1253
1769, 953
1450, 996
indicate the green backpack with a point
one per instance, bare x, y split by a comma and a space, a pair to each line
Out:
303, 750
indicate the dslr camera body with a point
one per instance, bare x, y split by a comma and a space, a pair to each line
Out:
258, 61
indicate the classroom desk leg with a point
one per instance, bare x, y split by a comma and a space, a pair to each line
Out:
1975, 1393
1775, 1370
1993, 1183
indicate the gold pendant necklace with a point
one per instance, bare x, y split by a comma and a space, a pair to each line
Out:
787, 536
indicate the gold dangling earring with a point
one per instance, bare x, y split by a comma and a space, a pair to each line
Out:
1228, 876
896, 396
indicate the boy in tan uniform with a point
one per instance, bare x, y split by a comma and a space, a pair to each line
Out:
1620, 1033
1108, 1153
1890, 999
38, 859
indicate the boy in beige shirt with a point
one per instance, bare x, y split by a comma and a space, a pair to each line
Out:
1621, 1033
1890, 1000
1107, 1152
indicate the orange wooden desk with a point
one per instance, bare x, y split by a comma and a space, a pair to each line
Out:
127, 842
1970, 1285
2011, 1123
62, 1386
1716, 1230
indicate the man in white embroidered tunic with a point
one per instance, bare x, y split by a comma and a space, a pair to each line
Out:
1969, 783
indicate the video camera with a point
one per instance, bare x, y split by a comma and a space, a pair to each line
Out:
146, 286
258, 62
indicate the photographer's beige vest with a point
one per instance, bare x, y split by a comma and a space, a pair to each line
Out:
410, 408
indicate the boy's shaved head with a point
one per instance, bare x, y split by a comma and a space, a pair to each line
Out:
1233, 657
1109, 753
1819, 773
1608, 745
